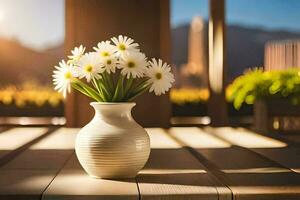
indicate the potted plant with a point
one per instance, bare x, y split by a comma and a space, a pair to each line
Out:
112, 144
275, 95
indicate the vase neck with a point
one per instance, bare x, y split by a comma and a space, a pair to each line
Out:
113, 110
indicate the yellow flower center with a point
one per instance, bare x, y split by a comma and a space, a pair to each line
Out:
108, 62
68, 75
105, 54
131, 64
88, 68
122, 47
158, 76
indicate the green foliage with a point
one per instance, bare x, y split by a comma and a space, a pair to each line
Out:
106, 89
257, 84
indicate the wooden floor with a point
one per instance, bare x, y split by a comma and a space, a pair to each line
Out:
185, 163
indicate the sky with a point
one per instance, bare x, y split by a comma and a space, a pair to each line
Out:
268, 14
39, 24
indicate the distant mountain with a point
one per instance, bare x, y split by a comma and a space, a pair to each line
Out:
18, 63
245, 46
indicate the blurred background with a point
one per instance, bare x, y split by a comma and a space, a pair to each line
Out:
36, 34
252, 27
32, 35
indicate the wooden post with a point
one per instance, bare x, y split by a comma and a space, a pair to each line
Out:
91, 21
217, 107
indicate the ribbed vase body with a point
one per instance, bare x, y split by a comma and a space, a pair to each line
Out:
112, 145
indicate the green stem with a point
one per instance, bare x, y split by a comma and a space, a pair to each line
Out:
128, 85
101, 85
106, 93
95, 84
102, 90
141, 91
139, 85
108, 82
118, 95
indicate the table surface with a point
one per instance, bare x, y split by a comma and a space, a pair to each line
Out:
185, 163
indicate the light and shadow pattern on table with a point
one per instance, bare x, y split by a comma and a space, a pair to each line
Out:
185, 163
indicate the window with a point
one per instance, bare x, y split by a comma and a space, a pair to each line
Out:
261, 33
253, 25
189, 30
31, 43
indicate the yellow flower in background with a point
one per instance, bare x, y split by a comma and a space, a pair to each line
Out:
189, 95
29, 93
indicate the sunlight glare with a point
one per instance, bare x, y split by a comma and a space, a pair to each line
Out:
197, 138
257, 170
247, 138
160, 140
172, 171
16, 137
2, 15
63, 138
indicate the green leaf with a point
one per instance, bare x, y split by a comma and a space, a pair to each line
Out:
78, 88
85, 91
89, 90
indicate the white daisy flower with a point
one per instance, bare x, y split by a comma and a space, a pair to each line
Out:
62, 77
77, 53
160, 77
89, 66
124, 44
110, 63
105, 49
133, 64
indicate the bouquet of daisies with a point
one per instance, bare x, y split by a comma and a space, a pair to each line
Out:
116, 71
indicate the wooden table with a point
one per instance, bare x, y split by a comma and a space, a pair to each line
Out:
185, 163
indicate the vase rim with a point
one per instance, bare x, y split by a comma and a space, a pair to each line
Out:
112, 103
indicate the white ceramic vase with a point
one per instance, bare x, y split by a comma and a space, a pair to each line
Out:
112, 145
